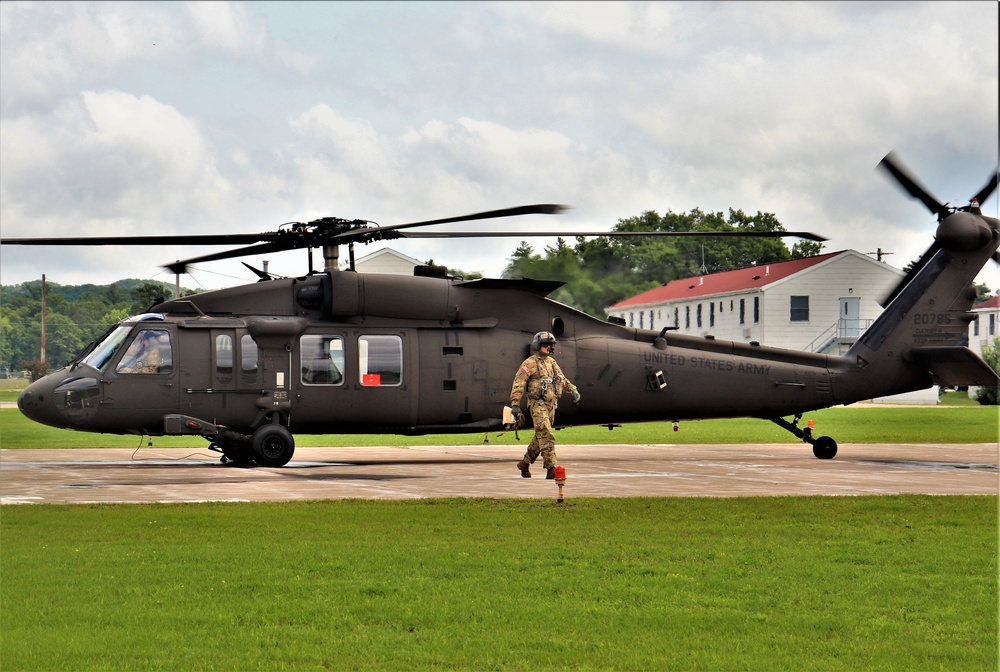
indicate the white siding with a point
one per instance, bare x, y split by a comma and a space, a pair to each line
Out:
848, 276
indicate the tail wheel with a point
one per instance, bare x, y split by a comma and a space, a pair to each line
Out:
825, 448
273, 446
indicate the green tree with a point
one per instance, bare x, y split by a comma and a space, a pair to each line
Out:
63, 339
6, 347
148, 294
990, 396
601, 271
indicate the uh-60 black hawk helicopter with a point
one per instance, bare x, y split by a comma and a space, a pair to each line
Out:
348, 352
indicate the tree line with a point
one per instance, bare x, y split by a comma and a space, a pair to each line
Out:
74, 316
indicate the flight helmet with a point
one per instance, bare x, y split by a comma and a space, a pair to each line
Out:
542, 338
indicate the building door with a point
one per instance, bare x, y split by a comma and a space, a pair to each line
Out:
849, 324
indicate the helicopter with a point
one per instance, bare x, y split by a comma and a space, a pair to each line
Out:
344, 352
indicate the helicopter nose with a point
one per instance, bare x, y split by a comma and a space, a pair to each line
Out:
36, 402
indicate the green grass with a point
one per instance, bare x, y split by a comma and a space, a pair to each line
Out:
916, 424
813, 583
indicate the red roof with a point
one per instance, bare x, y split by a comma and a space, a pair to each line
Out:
989, 303
728, 281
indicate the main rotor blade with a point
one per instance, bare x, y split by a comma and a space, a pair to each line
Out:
911, 185
540, 209
180, 266
611, 234
180, 239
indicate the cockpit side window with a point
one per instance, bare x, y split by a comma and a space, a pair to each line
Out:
149, 352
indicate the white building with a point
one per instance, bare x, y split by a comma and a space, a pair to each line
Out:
984, 330
386, 261
820, 304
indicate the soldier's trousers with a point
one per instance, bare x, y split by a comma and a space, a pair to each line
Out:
543, 415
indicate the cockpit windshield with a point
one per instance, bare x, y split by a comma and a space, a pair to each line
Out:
99, 357
102, 352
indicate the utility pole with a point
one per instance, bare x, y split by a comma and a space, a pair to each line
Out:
43, 319
879, 254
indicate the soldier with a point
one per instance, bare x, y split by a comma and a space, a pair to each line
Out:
542, 381
143, 355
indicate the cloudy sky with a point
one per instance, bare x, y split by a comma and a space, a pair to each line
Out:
142, 118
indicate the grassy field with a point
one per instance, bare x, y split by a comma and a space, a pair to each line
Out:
764, 583
939, 424
873, 583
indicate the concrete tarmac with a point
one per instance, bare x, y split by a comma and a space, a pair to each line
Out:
193, 475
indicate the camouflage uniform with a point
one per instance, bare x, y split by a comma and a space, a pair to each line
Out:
542, 381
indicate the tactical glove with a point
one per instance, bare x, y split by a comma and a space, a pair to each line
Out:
515, 411
576, 396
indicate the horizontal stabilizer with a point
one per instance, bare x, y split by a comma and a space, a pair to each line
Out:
955, 365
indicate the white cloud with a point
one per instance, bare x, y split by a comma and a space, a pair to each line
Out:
227, 26
243, 116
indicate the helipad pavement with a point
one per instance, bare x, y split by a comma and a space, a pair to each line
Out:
185, 475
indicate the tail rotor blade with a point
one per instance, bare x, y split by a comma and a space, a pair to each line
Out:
909, 183
987, 190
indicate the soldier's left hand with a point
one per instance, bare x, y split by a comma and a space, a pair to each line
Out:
576, 396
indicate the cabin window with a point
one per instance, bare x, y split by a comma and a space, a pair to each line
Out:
248, 359
149, 352
380, 360
711, 314
975, 327
743, 311
993, 325
687, 317
677, 317
799, 308
699, 316
756, 309
322, 359
223, 359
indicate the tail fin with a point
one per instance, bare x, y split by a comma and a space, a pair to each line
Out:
915, 342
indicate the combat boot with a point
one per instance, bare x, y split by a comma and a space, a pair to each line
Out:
550, 473
523, 467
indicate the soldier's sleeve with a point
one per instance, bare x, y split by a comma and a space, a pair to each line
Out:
566, 385
520, 380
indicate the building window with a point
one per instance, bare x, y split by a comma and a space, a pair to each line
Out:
756, 309
799, 309
993, 324
651, 320
975, 327
743, 311
698, 318
677, 317
711, 314
687, 317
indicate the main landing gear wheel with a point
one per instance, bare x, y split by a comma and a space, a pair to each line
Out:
273, 446
825, 448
